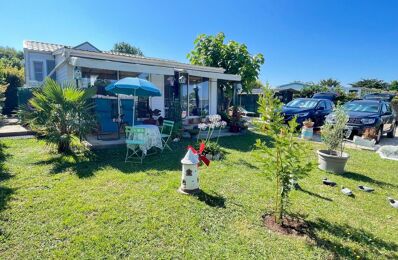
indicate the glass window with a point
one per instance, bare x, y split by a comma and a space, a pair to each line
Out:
98, 78
142, 102
362, 107
50, 66
388, 107
328, 105
322, 104
195, 96
383, 109
171, 97
38, 70
302, 103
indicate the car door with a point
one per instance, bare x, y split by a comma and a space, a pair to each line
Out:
386, 117
389, 117
321, 112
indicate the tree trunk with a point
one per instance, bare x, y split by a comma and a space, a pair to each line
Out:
64, 147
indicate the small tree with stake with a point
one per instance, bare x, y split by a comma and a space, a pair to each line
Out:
283, 157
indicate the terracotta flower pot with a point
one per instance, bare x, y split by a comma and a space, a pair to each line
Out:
308, 124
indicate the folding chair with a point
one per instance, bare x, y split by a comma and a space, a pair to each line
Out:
135, 137
166, 132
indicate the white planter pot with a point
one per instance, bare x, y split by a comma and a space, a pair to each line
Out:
331, 162
307, 133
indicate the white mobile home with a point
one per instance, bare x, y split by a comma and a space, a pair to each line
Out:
194, 87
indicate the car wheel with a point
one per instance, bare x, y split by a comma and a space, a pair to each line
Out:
392, 133
379, 134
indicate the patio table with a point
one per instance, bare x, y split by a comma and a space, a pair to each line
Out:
152, 138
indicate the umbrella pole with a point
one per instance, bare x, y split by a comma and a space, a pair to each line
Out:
134, 108
118, 108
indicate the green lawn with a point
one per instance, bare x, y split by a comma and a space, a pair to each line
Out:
53, 207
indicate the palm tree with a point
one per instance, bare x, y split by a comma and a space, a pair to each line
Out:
330, 83
60, 113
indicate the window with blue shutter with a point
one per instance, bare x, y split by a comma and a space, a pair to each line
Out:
38, 70
50, 66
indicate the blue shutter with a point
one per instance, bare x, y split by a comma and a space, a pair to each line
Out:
50, 66
38, 70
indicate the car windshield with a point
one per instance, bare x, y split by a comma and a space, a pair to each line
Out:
362, 107
302, 103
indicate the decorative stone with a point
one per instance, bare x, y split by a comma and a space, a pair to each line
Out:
364, 142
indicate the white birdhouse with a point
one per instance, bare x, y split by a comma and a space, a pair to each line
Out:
189, 176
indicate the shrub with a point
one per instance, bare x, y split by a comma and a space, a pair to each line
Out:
12, 78
284, 156
333, 130
61, 114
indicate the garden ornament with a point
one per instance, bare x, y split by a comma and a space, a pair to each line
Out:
365, 188
328, 182
199, 153
393, 202
346, 191
190, 169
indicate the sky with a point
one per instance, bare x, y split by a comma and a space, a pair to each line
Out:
302, 40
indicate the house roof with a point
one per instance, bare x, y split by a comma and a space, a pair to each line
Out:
255, 91
296, 86
116, 56
42, 46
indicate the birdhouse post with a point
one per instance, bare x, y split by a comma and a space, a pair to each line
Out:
189, 174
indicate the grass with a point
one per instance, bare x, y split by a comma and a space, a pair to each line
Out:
99, 206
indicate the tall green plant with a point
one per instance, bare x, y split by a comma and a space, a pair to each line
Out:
12, 78
234, 57
284, 156
333, 130
61, 114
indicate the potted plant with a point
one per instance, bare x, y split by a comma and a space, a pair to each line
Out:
333, 160
213, 151
308, 123
151, 120
307, 130
234, 125
368, 138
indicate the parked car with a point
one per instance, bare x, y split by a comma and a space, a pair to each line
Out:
308, 108
379, 96
365, 114
326, 95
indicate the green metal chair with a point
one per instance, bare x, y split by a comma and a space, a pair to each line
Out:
165, 132
135, 137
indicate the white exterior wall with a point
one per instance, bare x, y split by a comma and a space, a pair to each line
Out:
213, 96
30, 57
158, 102
65, 72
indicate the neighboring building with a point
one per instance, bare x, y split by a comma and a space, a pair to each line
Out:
285, 92
355, 90
194, 87
249, 100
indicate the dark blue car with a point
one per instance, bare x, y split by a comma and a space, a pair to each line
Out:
308, 108
365, 114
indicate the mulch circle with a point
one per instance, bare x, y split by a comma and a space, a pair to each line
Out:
290, 225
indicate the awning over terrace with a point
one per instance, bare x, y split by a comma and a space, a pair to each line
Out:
141, 68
